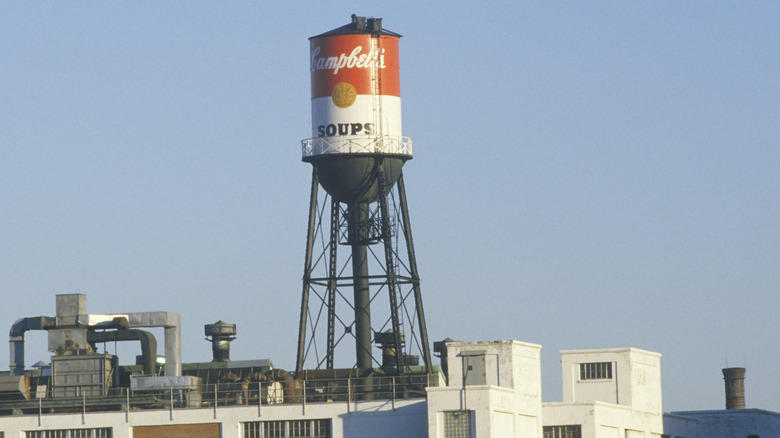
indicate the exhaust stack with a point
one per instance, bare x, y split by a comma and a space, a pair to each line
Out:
735, 387
220, 334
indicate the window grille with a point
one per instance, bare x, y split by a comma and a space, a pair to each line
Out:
457, 424
273, 429
104, 432
321, 428
570, 431
288, 429
595, 370
299, 428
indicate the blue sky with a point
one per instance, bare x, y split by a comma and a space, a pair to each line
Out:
586, 175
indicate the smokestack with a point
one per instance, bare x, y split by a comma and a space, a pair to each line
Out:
735, 387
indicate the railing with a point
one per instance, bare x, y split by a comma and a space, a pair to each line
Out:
232, 394
391, 145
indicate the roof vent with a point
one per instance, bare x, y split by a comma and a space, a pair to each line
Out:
220, 334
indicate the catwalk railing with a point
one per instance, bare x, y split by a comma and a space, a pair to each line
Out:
222, 395
357, 144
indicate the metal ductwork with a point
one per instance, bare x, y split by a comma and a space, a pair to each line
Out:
68, 331
171, 322
735, 387
16, 338
148, 344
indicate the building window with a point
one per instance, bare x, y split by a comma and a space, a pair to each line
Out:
595, 370
457, 424
70, 433
570, 431
288, 429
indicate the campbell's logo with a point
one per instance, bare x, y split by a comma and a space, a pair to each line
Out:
374, 58
344, 95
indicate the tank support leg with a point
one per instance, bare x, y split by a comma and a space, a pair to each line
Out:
390, 264
307, 271
407, 229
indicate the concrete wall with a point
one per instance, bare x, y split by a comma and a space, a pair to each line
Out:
382, 419
678, 426
734, 423
635, 382
506, 403
603, 420
626, 405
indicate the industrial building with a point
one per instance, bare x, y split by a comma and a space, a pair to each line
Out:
478, 389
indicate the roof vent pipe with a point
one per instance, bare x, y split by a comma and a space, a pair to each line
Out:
221, 333
735, 387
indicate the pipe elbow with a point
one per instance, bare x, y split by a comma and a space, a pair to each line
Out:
31, 323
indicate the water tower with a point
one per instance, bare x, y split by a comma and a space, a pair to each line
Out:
371, 293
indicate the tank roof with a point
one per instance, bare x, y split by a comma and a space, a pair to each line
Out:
360, 26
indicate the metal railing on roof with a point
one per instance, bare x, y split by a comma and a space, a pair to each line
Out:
231, 394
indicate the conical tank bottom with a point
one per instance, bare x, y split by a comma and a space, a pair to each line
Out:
354, 179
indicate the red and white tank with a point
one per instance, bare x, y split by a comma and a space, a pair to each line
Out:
355, 92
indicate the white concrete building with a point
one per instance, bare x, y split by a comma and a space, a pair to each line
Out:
493, 389
488, 389
607, 393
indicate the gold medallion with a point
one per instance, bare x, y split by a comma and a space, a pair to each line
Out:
344, 95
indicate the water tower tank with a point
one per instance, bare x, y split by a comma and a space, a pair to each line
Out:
355, 110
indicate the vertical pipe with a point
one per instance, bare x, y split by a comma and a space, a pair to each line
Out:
393, 384
17, 355
332, 276
171, 407
216, 399
349, 394
358, 215
172, 351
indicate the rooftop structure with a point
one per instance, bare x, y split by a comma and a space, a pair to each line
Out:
486, 388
